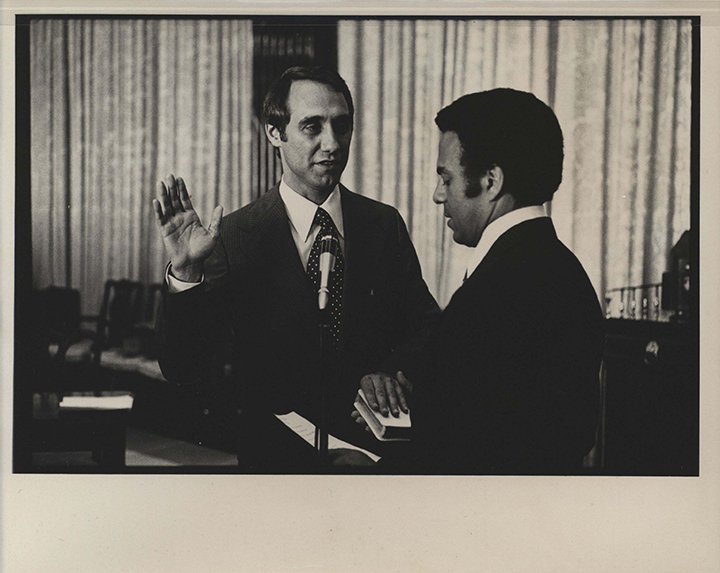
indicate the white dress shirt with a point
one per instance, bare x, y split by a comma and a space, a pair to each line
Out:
497, 228
301, 213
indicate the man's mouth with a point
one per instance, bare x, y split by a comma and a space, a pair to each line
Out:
328, 163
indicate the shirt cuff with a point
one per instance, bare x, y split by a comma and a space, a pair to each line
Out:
176, 285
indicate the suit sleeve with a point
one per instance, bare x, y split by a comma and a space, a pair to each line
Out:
417, 309
193, 328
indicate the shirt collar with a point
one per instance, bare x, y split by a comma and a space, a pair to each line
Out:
497, 228
301, 211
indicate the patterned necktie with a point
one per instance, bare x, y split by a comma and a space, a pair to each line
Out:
335, 285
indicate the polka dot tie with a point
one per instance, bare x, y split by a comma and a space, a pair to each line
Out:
335, 285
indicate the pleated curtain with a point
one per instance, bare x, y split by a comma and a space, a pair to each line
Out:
117, 105
620, 89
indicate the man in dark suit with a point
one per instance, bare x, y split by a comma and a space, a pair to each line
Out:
510, 382
253, 279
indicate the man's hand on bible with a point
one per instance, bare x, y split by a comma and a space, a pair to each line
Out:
187, 242
386, 394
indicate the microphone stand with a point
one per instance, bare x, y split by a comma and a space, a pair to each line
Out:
321, 434
327, 266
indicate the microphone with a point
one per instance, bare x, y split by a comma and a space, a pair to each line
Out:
328, 252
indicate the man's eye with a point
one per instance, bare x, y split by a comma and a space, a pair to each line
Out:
342, 127
312, 128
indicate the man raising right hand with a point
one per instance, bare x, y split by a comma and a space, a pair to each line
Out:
250, 281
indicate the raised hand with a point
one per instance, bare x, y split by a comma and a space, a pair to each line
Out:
187, 242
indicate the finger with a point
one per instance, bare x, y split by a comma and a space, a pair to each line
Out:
164, 198
368, 389
214, 227
158, 213
184, 195
404, 382
390, 392
358, 419
357, 416
379, 384
402, 402
172, 187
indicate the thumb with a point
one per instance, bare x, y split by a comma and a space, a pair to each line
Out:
214, 227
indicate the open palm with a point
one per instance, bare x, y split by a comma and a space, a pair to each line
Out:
187, 242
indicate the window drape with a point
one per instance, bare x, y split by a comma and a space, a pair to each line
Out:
117, 105
620, 89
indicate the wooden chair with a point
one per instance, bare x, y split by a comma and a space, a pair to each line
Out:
69, 372
144, 330
120, 312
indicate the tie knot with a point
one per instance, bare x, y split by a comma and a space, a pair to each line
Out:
323, 218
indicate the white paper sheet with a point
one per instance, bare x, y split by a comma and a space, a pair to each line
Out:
96, 402
306, 430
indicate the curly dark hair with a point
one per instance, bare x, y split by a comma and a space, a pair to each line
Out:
513, 130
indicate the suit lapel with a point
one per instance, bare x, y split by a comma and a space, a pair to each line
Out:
279, 250
364, 240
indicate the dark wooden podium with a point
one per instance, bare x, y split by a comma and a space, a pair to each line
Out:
100, 432
650, 423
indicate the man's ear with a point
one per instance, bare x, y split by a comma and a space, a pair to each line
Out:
492, 181
273, 134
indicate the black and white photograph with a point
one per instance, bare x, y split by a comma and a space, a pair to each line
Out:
380, 252
175, 273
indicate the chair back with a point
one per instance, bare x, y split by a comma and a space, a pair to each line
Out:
58, 311
121, 310
153, 295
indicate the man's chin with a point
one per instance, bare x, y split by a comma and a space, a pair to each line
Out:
459, 239
328, 182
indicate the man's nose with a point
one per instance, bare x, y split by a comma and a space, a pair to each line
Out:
329, 140
439, 195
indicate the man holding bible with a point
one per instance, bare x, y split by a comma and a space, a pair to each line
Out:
509, 382
252, 278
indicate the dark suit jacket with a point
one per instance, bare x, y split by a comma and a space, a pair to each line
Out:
513, 364
257, 294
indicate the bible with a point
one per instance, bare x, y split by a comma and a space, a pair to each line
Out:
386, 428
